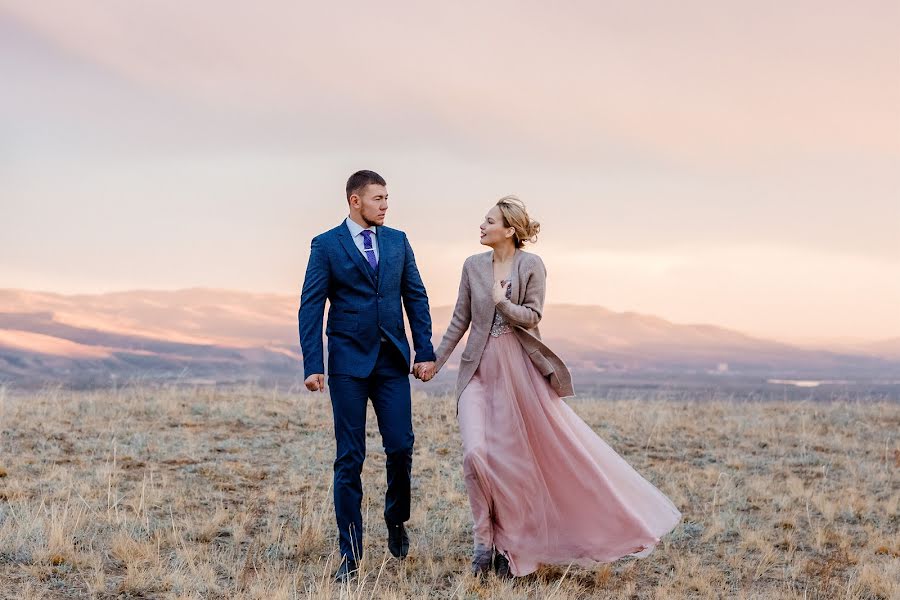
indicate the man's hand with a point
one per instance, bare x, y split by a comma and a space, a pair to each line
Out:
424, 370
315, 383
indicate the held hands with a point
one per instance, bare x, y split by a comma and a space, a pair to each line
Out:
499, 291
424, 370
315, 383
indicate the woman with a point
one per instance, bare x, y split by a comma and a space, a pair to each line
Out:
543, 487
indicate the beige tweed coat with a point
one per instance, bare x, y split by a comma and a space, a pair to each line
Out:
475, 311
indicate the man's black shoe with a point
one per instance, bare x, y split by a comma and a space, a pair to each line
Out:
346, 572
398, 541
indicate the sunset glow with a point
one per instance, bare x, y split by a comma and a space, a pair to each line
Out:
735, 164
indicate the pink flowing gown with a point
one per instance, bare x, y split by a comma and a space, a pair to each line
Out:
543, 487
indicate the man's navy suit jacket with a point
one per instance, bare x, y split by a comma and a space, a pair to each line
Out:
365, 305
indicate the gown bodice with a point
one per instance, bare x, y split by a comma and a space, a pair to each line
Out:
500, 324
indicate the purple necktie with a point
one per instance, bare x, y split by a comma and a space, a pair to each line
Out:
369, 251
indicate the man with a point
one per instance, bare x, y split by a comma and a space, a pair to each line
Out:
365, 270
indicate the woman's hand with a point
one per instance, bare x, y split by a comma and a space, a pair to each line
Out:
499, 291
424, 370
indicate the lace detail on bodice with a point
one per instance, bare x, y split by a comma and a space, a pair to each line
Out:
500, 324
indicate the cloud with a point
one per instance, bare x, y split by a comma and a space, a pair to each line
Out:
704, 83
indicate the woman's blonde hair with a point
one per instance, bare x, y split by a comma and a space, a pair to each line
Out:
515, 215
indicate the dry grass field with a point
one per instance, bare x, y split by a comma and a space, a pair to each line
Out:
149, 492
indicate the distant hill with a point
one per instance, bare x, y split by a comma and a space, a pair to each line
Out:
225, 336
885, 348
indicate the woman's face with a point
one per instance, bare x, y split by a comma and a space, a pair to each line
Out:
493, 232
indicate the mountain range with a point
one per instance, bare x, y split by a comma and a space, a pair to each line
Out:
209, 335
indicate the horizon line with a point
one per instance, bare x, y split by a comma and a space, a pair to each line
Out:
806, 342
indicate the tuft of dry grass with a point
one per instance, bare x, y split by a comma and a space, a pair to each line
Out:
188, 493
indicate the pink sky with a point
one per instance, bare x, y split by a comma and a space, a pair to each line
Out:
705, 162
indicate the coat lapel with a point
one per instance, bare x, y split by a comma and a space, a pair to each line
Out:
514, 275
389, 257
354, 253
487, 274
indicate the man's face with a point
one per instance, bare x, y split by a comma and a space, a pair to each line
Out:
372, 203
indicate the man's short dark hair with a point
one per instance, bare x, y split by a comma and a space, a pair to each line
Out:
361, 179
